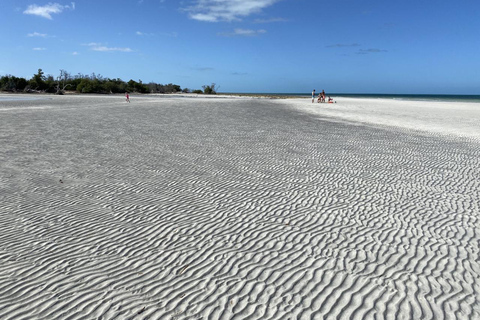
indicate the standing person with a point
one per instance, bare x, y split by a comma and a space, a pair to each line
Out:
323, 95
313, 95
127, 97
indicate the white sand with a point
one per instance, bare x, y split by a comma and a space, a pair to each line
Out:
198, 208
460, 119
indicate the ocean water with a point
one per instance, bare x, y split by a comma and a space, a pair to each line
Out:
415, 97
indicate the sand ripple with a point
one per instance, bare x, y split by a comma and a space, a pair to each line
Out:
231, 209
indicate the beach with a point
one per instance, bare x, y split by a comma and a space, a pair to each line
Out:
195, 207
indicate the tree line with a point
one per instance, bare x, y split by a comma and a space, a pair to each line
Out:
89, 84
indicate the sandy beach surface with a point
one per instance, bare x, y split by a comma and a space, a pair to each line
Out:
238, 208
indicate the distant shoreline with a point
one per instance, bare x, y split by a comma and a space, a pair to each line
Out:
409, 97
422, 97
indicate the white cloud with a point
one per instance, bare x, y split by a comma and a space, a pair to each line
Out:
36, 34
150, 34
107, 49
226, 10
75, 53
47, 10
271, 20
39, 49
244, 32
95, 46
103, 49
144, 34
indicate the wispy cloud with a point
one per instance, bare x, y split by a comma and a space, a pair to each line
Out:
203, 69
39, 49
226, 10
341, 45
142, 1
47, 10
271, 20
36, 34
367, 51
102, 48
169, 34
243, 32
106, 49
144, 34
151, 34
360, 51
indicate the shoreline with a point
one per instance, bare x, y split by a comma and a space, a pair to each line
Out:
402, 97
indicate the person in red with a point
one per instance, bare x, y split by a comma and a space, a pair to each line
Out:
127, 97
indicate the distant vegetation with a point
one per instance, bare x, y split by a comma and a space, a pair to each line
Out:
211, 89
89, 84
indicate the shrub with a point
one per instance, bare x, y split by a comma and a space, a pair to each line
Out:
209, 89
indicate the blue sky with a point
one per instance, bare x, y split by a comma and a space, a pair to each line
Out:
343, 46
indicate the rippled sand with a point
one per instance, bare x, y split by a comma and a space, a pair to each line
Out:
238, 208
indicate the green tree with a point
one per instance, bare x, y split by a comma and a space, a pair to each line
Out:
12, 83
110, 86
50, 84
172, 88
38, 81
210, 89
89, 86
21, 84
132, 85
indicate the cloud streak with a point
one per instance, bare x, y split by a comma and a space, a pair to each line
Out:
271, 20
340, 45
226, 10
367, 51
144, 34
360, 51
101, 48
47, 10
107, 49
243, 33
203, 69
37, 34
151, 34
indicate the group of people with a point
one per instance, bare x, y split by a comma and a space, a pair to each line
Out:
321, 97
